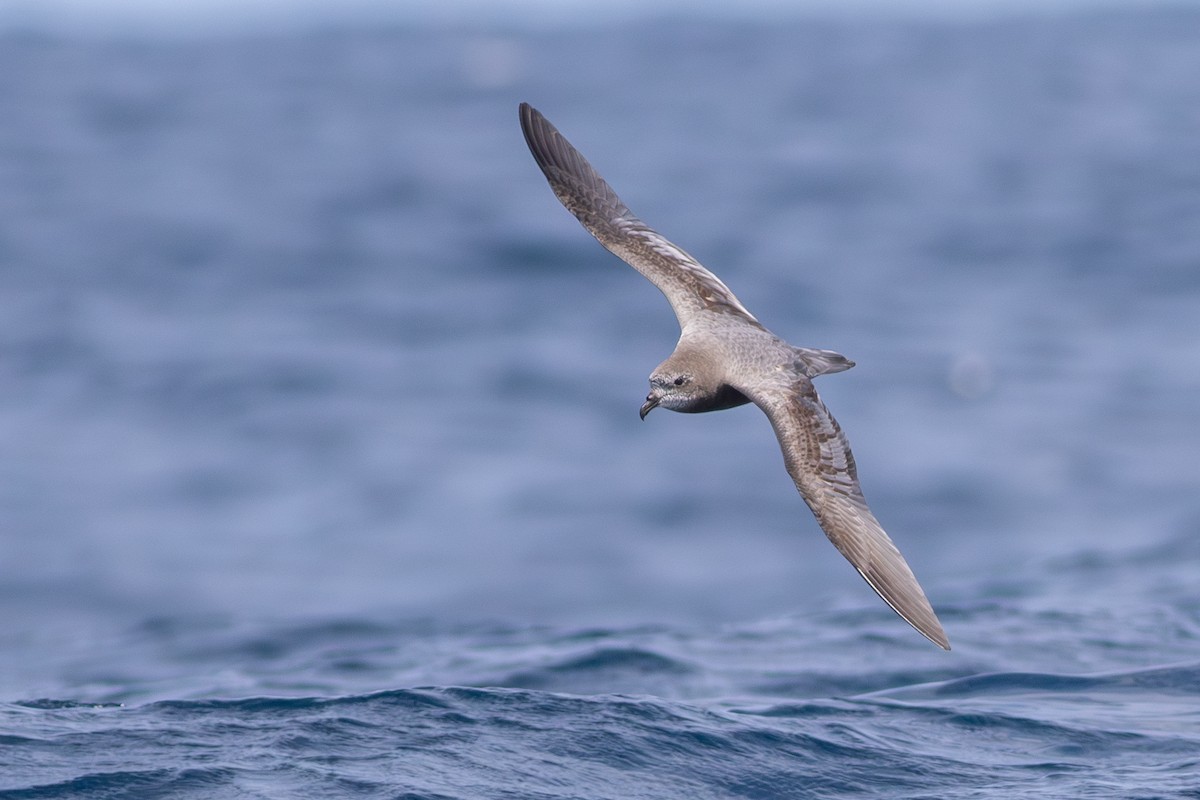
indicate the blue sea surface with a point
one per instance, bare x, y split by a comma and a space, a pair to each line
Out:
320, 467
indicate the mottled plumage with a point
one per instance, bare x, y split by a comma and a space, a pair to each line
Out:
725, 358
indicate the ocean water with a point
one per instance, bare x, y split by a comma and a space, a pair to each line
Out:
320, 466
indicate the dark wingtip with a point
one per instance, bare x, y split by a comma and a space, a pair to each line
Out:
525, 113
538, 132
531, 120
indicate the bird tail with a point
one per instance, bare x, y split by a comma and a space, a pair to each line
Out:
815, 362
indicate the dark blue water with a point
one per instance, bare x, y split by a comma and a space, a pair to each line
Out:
320, 466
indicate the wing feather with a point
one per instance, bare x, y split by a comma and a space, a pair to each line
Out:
818, 458
689, 287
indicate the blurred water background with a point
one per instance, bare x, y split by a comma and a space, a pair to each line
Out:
321, 469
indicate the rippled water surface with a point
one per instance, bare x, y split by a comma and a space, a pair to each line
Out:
322, 473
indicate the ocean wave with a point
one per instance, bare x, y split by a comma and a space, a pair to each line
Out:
466, 742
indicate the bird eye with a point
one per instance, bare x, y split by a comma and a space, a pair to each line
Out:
679, 381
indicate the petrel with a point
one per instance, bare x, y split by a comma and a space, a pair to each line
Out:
726, 358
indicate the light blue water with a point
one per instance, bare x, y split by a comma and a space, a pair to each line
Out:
322, 473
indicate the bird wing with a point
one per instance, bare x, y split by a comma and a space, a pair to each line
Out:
690, 288
818, 458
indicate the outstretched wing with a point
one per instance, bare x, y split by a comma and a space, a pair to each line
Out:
819, 460
690, 288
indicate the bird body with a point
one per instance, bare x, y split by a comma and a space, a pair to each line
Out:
725, 358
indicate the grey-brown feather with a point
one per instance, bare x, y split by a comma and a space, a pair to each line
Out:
689, 287
818, 458
725, 357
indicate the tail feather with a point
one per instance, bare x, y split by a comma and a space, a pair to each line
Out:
815, 362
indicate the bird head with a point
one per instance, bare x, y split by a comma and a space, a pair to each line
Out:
671, 389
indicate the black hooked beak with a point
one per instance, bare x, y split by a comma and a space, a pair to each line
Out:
651, 403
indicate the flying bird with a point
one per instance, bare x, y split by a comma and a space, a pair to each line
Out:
726, 358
